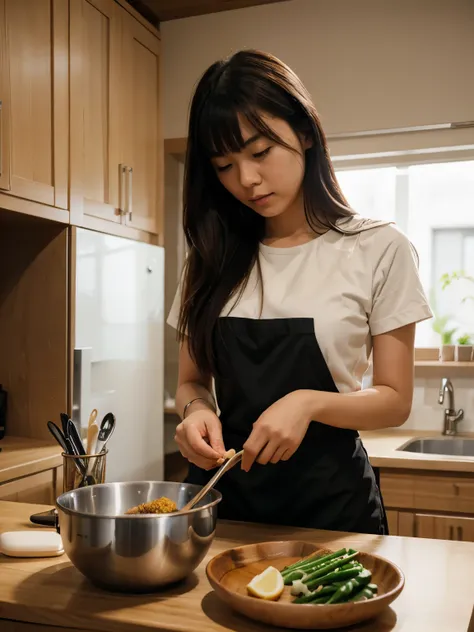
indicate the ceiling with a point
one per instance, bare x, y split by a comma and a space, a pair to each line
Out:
157, 11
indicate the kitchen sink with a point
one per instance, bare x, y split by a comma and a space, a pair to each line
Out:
449, 446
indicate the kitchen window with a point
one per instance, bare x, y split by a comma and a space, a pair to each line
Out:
433, 204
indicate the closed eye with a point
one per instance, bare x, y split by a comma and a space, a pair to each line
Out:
222, 169
262, 154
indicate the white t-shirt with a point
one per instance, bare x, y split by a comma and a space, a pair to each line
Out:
354, 286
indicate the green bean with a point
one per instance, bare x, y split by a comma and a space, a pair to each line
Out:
373, 587
343, 592
333, 576
300, 572
316, 597
319, 572
361, 595
351, 564
311, 561
306, 572
325, 591
321, 600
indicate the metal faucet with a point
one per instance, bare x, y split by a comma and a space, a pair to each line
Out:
451, 415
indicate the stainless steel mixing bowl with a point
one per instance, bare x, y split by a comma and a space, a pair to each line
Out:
135, 553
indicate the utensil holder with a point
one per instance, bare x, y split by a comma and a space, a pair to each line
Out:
83, 470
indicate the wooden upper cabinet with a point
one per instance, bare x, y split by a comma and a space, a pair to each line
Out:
141, 126
116, 142
80, 126
95, 124
34, 95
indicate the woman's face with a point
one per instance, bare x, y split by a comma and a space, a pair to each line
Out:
264, 176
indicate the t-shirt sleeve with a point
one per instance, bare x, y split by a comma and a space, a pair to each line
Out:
398, 298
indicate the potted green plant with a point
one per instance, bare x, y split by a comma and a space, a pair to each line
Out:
463, 352
464, 348
447, 347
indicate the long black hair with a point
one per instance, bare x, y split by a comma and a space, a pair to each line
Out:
222, 234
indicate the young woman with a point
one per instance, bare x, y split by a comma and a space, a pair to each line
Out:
285, 294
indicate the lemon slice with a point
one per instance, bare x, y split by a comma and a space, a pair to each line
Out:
268, 585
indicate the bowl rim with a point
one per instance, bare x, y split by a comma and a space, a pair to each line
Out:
84, 514
390, 594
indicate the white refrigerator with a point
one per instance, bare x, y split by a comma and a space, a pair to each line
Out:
118, 333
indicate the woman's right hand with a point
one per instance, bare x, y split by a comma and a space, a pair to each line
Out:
199, 437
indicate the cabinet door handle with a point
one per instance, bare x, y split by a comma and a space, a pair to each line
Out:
130, 193
122, 172
460, 534
451, 532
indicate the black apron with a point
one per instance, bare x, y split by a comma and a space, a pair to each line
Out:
328, 483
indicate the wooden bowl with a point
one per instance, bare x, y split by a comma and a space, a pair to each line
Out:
231, 571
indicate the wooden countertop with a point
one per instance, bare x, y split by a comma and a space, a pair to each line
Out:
381, 446
22, 457
437, 596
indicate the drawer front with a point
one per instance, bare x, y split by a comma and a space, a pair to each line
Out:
425, 491
37, 488
460, 528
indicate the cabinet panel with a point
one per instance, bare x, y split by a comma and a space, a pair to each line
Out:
143, 148
421, 491
444, 527
37, 488
95, 60
34, 95
392, 519
34, 312
406, 523
421, 525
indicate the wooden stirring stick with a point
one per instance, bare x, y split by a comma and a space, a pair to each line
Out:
92, 432
227, 455
227, 465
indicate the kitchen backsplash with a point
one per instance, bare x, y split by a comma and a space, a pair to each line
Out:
427, 414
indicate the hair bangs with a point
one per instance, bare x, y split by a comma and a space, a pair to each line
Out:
220, 132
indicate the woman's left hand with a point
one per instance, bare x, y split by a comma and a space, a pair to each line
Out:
278, 432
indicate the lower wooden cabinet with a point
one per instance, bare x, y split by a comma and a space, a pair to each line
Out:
429, 505
41, 488
392, 519
420, 525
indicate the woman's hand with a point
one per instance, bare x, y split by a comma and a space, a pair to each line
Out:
278, 432
199, 437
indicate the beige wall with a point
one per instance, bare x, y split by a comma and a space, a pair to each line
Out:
369, 64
